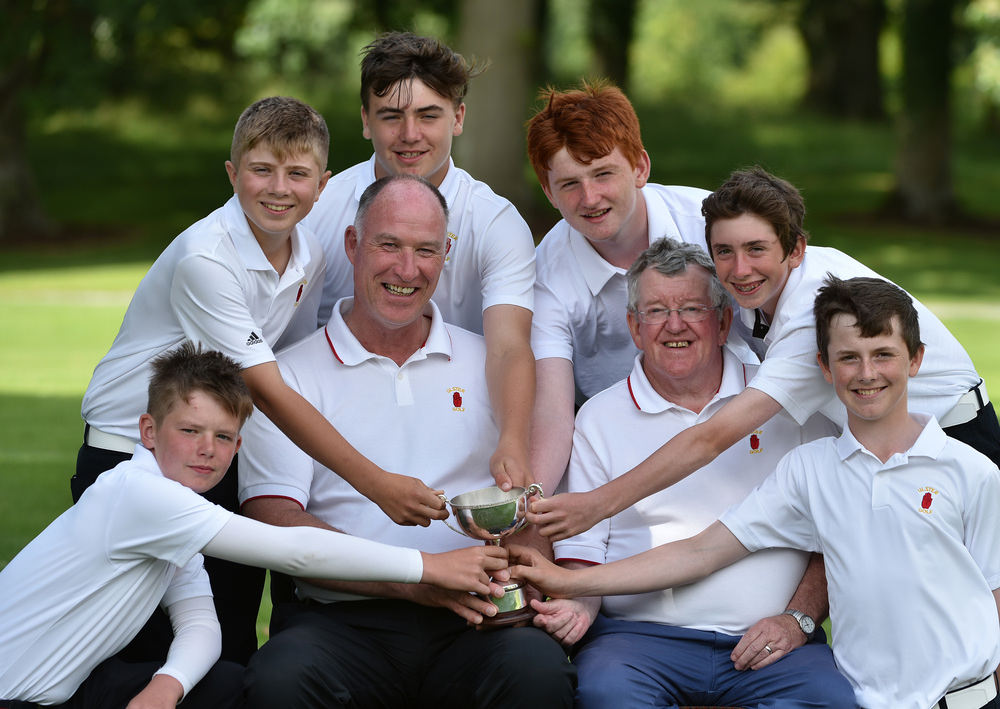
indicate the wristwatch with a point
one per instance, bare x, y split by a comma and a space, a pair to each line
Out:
806, 624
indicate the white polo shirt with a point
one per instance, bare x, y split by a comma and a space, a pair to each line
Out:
490, 257
212, 285
620, 427
84, 587
580, 299
911, 558
429, 418
790, 375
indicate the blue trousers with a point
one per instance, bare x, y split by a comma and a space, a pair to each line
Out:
623, 663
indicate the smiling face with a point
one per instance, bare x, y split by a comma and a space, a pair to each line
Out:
411, 129
750, 262
680, 357
869, 374
397, 260
601, 200
276, 193
195, 442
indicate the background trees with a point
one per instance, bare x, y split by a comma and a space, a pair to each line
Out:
911, 63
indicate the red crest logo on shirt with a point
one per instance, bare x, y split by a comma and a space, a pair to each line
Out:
755, 441
456, 398
927, 495
447, 245
298, 296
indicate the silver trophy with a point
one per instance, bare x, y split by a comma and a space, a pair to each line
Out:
490, 514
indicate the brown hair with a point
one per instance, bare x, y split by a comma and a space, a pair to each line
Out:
180, 372
398, 56
286, 125
873, 302
756, 191
590, 122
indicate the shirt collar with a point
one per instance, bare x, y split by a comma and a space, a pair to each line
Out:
929, 443
249, 249
143, 458
350, 352
366, 176
594, 269
734, 380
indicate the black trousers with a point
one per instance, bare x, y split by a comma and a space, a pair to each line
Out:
390, 653
981, 433
237, 588
114, 683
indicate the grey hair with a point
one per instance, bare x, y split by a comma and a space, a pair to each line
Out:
671, 257
373, 190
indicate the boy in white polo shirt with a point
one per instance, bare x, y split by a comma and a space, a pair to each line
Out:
242, 281
904, 515
86, 585
412, 92
754, 225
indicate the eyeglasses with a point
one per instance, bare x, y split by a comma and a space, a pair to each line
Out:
689, 314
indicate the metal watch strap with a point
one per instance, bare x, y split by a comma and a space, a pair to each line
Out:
799, 616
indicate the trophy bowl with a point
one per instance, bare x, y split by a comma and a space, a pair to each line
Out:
489, 514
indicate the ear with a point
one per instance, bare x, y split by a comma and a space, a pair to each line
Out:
239, 442
365, 130
231, 171
324, 178
459, 120
827, 374
350, 242
642, 169
796, 255
725, 322
147, 431
633, 327
916, 360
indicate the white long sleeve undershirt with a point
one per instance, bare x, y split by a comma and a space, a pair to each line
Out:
314, 552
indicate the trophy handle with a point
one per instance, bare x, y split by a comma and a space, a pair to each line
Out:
532, 489
456, 531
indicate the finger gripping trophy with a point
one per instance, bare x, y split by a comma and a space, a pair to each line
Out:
490, 514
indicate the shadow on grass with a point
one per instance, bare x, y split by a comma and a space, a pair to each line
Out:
39, 438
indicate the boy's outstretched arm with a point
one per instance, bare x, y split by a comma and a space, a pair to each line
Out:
565, 515
375, 569
665, 566
310, 551
510, 377
404, 499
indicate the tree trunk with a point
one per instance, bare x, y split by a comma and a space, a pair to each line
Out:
491, 147
923, 189
610, 26
842, 40
21, 216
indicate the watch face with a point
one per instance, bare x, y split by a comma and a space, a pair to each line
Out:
808, 625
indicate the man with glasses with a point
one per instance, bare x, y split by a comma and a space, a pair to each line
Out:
688, 645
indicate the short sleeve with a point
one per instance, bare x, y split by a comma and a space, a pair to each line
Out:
775, 514
790, 375
211, 306
550, 326
508, 261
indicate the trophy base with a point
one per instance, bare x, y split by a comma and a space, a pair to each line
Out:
512, 608
502, 620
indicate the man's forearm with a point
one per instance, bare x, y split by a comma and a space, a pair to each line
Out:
811, 596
